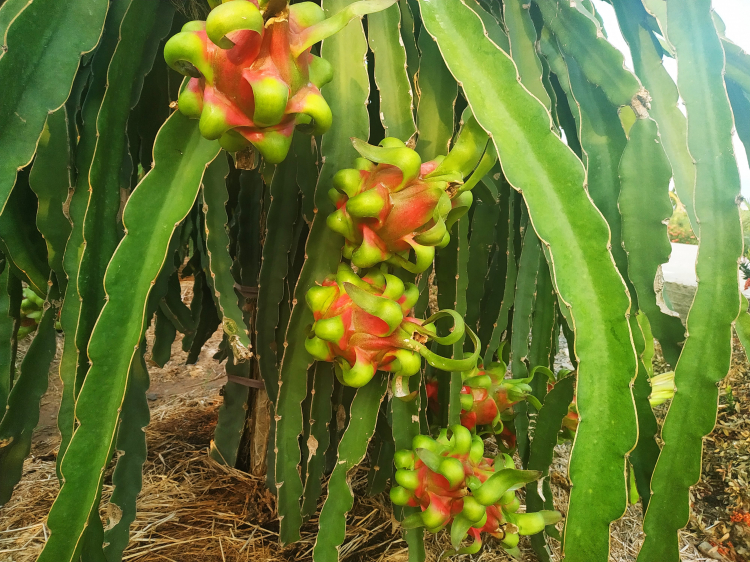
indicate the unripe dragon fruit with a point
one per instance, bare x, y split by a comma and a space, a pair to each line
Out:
362, 324
252, 77
453, 483
392, 204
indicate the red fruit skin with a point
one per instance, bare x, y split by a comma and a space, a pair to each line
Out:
411, 210
468, 420
434, 490
408, 211
485, 407
508, 437
570, 421
432, 397
493, 525
253, 57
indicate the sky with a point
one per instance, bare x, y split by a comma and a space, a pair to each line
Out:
736, 16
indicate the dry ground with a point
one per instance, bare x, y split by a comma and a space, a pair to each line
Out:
192, 509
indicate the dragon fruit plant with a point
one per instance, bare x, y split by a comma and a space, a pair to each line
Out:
252, 77
507, 170
453, 483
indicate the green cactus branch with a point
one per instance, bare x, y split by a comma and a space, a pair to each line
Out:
232, 415
647, 61
706, 356
645, 205
391, 77
22, 411
320, 420
21, 243
10, 303
38, 64
351, 451
346, 51
170, 189
536, 162
131, 443
51, 179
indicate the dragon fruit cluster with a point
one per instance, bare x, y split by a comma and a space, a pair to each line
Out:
390, 206
252, 77
361, 324
454, 484
253, 80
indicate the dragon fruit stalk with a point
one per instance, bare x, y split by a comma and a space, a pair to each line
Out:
392, 204
362, 324
252, 77
454, 484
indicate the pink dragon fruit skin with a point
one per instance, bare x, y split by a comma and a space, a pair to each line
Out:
487, 400
393, 206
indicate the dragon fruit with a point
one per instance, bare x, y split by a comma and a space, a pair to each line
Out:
453, 483
487, 400
362, 324
570, 423
392, 204
252, 77
571, 418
